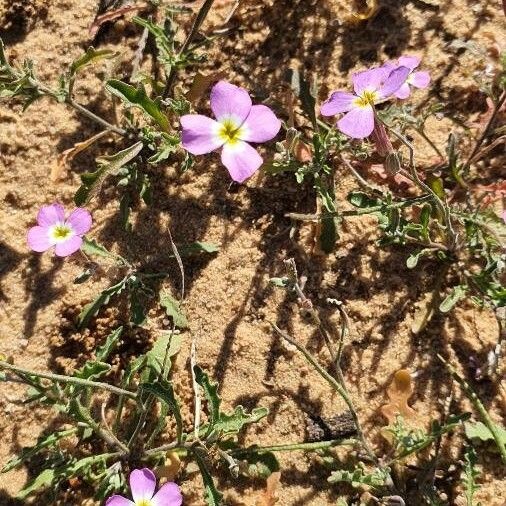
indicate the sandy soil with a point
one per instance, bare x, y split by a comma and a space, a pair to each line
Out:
229, 300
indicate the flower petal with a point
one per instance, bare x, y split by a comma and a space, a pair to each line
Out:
168, 495
394, 81
369, 79
80, 221
200, 134
50, 215
38, 239
241, 160
118, 500
228, 100
403, 92
66, 248
409, 61
419, 79
142, 484
339, 101
261, 125
357, 123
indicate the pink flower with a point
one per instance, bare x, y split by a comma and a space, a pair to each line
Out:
143, 485
371, 87
237, 123
54, 230
418, 79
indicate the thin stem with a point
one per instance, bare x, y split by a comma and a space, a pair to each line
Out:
201, 16
424, 136
334, 384
86, 112
361, 181
305, 447
68, 379
475, 400
485, 133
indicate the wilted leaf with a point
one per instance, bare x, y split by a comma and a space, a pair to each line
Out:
398, 393
173, 309
268, 497
62, 161
137, 97
201, 83
112, 15
362, 10
170, 468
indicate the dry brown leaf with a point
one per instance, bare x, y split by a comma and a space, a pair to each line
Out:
171, 467
111, 15
60, 166
398, 393
268, 497
201, 83
363, 10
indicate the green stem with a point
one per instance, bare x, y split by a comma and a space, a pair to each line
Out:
475, 400
201, 16
334, 384
305, 447
68, 379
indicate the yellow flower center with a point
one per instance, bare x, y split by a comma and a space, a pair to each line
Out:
229, 131
143, 502
61, 232
367, 98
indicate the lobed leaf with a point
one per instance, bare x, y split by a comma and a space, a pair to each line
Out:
173, 309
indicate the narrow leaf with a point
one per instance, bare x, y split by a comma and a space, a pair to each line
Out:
213, 496
91, 56
137, 97
457, 294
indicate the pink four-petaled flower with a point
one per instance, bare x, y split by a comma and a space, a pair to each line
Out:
237, 122
371, 87
143, 485
416, 78
53, 229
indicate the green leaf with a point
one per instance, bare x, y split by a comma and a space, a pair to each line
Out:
281, 282
91, 309
91, 56
305, 92
457, 293
328, 234
42, 443
213, 496
43, 480
358, 477
156, 356
198, 247
137, 97
362, 200
211, 394
233, 423
91, 247
107, 165
412, 260
165, 392
258, 465
92, 369
173, 309
107, 348
470, 476
478, 430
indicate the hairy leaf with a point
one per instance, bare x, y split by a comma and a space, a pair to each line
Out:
358, 477
478, 430
91, 247
107, 348
470, 476
211, 394
159, 351
213, 496
457, 293
43, 480
232, 423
